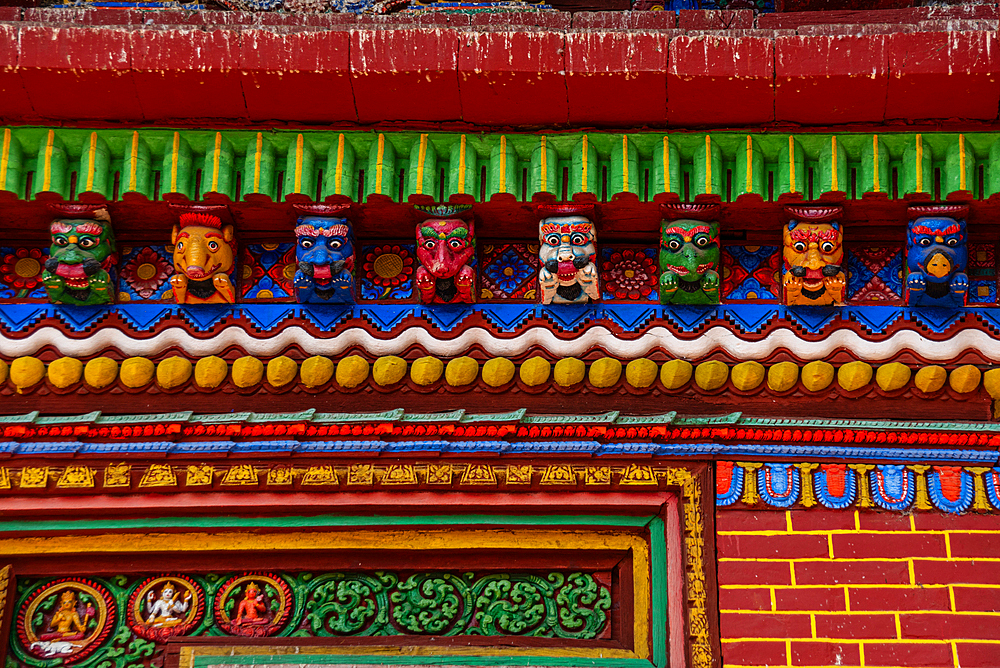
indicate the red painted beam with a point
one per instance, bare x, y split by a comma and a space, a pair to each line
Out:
943, 75
405, 74
720, 80
513, 77
175, 72
831, 79
617, 78
602, 72
304, 72
78, 73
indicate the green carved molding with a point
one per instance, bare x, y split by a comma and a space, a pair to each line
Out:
319, 163
123, 621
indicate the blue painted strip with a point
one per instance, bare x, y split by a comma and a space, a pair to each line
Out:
507, 318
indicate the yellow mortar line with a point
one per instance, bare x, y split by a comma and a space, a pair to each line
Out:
844, 560
849, 532
863, 613
812, 625
951, 597
774, 601
954, 655
847, 600
861, 653
791, 568
913, 575
788, 521
858, 586
829, 542
857, 521
899, 627
885, 641
913, 523
947, 544
788, 652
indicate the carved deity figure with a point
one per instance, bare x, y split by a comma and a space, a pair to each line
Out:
203, 259
814, 255
689, 256
936, 256
167, 610
81, 258
567, 251
445, 249
325, 254
66, 623
252, 608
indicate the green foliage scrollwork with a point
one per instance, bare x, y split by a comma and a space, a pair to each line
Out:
552, 605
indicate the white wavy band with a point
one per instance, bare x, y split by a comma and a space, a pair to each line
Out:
597, 337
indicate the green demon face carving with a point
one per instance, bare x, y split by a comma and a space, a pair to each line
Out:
689, 262
81, 255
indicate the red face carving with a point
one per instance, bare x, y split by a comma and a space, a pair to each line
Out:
445, 246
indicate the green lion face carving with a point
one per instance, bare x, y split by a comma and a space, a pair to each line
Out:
82, 252
689, 262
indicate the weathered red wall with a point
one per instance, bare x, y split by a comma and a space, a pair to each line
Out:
858, 588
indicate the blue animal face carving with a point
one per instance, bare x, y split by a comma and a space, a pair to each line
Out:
325, 253
936, 257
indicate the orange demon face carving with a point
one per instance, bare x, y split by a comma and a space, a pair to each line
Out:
813, 255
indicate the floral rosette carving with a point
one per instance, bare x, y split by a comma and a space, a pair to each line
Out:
66, 620
255, 605
165, 606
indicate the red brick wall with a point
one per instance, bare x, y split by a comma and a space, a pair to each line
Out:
858, 588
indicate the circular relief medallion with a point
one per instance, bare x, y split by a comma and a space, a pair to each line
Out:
165, 606
66, 619
255, 605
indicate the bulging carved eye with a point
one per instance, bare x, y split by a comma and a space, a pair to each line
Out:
456, 244
213, 246
952, 242
336, 243
578, 239
553, 240
61, 241
674, 245
430, 244
701, 241
87, 242
179, 247
306, 242
799, 247
827, 247
924, 241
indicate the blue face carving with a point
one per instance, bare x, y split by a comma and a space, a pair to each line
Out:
936, 257
325, 253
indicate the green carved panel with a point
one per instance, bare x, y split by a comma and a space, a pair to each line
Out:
124, 621
156, 161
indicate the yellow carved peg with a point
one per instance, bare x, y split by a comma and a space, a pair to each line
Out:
750, 496
864, 491
922, 499
981, 503
808, 490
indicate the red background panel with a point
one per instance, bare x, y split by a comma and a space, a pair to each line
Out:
405, 74
177, 71
617, 78
321, 89
513, 77
943, 75
720, 80
830, 78
78, 73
